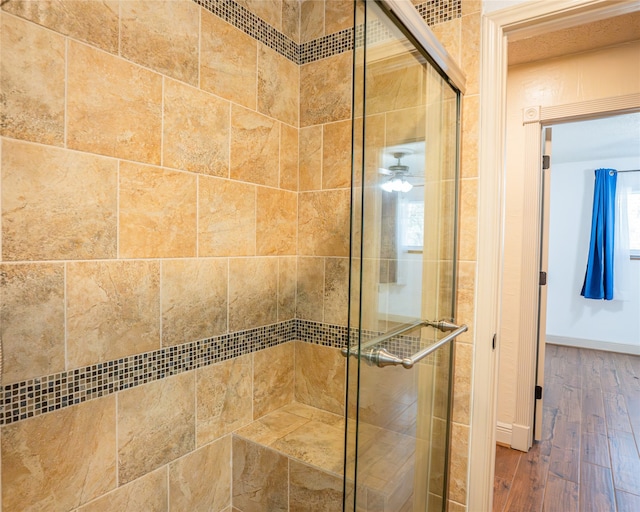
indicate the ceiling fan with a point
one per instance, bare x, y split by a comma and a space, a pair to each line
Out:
398, 174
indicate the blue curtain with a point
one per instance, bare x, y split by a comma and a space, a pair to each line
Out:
598, 279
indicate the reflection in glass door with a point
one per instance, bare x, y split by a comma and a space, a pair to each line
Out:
402, 273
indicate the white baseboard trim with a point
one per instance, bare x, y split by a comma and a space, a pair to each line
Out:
606, 346
520, 435
503, 433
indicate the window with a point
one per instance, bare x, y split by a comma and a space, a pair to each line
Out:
412, 225
633, 205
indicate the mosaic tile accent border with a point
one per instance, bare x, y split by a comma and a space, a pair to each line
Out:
327, 46
33, 397
433, 12
37, 396
440, 11
252, 25
401, 346
376, 33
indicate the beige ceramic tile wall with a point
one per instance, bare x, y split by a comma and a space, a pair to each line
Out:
173, 453
461, 37
144, 202
324, 171
119, 164
149, 198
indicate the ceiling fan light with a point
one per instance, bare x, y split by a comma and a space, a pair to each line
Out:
387, 186
405, 186
396, 185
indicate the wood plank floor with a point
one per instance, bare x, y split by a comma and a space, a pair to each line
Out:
588, 459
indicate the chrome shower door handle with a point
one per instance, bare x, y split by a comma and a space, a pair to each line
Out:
408, 362
381, 357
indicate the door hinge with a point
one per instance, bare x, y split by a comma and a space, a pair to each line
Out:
546, 161
493, 342
538, 392
543, 278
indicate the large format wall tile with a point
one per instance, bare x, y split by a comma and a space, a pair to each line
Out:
288, 157
260, 478
31, 320
157, 212
224, 396
113, 106
226, 218
201, 481
196, 130
311, 20
459, 463
113, 310
291, 19
287, 277
338, 16
93, 22
278, 86
470, 136
448, 34
468, 236
253, 292
470, 35
403, 126
276, 226
61, 460
194, 300
310, 292
148, 493
394, 88
32, 80
336, 155
336, 291
463, 369
57, 204
313, 489
320, 377
228, 61
272, 379
268, 10
311, 158
162, 35
325, 90
255, 147
159, 432
323, 223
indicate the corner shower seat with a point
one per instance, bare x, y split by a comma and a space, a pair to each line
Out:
315, 437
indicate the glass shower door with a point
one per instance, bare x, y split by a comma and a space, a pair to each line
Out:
402, 273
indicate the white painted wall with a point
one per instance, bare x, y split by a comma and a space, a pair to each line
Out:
568, 314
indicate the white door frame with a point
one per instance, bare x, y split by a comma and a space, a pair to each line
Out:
529, 349
524, 20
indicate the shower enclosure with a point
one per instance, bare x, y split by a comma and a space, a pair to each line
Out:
175, 255
406, 105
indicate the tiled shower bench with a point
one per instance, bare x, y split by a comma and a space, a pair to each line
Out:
292, 460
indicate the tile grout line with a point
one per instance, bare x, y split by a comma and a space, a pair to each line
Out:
117, 443
161, 304
65, 316
199, 48
162, 106
65, 142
